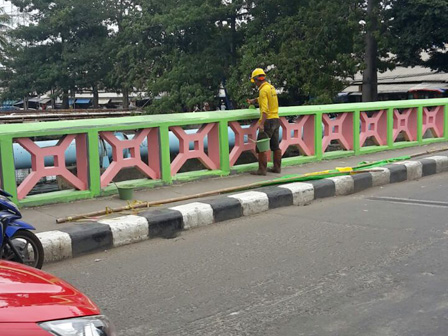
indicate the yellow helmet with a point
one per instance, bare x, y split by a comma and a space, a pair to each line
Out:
257, 72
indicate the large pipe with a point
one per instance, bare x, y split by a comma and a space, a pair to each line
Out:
22, 158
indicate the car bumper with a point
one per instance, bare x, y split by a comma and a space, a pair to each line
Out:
22, 329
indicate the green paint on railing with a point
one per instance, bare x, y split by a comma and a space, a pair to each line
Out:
390, 127
318, 130
94, 163
8, 172
194, 175
373, 149
405, 144
183, 119
356, 137
165, 159
63, 196
224, 150
420, 124
445, 122
433, 140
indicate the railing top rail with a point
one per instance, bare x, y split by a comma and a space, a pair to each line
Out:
179, 119
350, 107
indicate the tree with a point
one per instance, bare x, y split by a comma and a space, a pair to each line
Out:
306, 46
124, 49
67, 36
420, 26
19, 75
185, 49
181, 51
4, 27
370, 73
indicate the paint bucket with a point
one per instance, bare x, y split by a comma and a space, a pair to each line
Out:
126, 193
263, 145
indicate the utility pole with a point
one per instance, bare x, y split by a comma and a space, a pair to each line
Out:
370, 76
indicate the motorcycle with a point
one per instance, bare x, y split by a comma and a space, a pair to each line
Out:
17, 242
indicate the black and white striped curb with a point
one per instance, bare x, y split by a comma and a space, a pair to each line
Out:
91, 237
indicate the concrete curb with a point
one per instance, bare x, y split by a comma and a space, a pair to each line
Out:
167, 223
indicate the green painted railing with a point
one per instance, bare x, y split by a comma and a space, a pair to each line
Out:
314, 130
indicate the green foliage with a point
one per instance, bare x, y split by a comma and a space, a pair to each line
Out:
61, 49
124, 46
420, 25
180, 51
20, 77
307, 44
190, 46
4, 26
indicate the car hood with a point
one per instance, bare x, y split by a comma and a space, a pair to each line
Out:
31, 295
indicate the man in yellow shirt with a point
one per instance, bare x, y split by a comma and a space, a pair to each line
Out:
269, 123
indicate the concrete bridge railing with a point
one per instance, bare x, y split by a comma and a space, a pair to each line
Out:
350, 125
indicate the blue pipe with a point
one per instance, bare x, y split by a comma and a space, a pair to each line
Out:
22, 158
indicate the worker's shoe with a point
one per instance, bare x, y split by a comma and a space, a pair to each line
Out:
277, 169
262, 164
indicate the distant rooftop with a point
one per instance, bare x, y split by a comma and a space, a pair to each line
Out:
404, 79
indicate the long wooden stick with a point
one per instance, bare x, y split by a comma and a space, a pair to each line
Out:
204, 194
217, 192
429, 151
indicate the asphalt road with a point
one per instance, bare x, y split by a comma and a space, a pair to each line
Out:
372, 263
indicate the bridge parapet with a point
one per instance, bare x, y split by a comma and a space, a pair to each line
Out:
218, 142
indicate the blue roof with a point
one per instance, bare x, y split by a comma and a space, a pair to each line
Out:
8, 102
83, 101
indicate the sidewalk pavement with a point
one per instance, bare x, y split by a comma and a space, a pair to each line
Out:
71, 239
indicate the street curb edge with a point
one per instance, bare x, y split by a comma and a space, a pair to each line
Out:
168, 223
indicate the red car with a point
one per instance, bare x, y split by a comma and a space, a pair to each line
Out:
35, 303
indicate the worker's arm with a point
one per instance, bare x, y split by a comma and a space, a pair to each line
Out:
252, 101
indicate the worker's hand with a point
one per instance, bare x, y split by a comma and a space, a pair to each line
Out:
251, 101
261, 127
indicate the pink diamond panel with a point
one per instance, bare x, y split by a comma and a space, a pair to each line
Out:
38, 169
210, 160
339, 129
242, 134
151, 169
406, 123
299, 133
433, 121
374, 125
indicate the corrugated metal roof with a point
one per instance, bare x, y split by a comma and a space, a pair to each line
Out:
402, 79
351, 88
439, 87
404, 74
389, 88
103, 101
382, 88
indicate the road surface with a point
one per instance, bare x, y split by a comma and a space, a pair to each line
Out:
372, 263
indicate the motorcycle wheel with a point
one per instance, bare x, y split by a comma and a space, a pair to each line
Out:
28, 246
